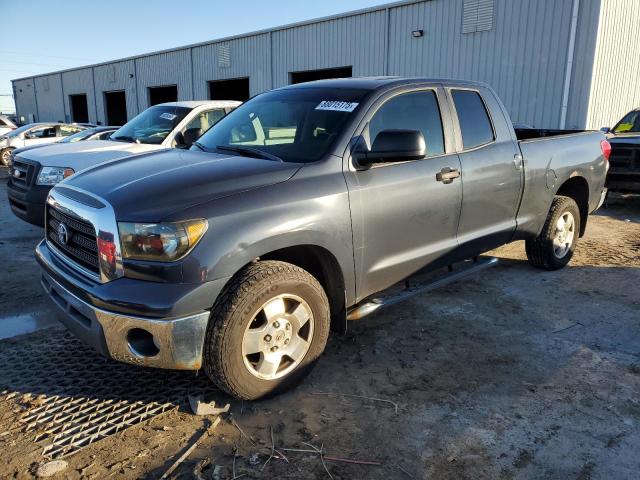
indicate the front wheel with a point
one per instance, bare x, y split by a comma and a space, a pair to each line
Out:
267, 329
554, 247
5, 157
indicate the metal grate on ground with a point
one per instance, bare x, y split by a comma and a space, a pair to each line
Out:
73, 397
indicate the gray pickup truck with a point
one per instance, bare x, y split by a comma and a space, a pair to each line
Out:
296, 212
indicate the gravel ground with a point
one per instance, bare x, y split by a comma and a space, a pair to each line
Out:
514, 373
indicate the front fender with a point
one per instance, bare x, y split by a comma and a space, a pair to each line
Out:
312, 208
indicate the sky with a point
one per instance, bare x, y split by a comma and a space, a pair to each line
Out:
40, 37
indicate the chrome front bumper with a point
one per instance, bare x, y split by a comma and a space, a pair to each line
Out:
174, 343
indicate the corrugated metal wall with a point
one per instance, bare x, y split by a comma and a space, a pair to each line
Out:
25, 96
113, 77
171, 68
79, 82
247, 57
357, 41
50, 100
523, 56
615, 87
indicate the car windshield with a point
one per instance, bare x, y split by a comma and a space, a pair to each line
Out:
151, 126
24, 128
295, 125
629, 124
76, 137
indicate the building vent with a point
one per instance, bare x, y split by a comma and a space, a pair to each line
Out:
477, 16
111, 74
224, 55
45, 84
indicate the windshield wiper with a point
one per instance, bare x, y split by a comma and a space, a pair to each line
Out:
124, 138
200, 146
250, 152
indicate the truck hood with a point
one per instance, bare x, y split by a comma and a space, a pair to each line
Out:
80, 155
149, 188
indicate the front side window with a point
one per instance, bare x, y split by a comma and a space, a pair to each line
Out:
296, 125
630, 123
205, 120
475, 124
42, 132
412, 111
151, 126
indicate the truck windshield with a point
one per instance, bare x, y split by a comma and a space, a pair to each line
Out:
295, 125
151, 126
629, 124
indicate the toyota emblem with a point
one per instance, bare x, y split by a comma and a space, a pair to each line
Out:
63, 234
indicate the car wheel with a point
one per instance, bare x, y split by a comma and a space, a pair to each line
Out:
554, 247
267, 329
5, 157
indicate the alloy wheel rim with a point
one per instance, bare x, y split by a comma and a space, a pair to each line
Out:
278, 337
564, 235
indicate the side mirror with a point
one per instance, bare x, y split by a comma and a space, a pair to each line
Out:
185, 139
392, 146
605, 130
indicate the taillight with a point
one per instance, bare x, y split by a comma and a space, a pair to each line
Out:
605, 146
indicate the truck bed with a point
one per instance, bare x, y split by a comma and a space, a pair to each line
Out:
534, 133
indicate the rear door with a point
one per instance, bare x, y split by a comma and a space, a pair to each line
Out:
403, 218
492, 171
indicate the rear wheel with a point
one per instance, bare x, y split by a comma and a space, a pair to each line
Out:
554, 247
266, 331
5, 156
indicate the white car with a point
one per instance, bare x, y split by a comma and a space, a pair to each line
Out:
34, 134
167, 125
6, 125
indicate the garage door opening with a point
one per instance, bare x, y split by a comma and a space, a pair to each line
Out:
79, 109
311, 75
233, 89
168, 93
115, 107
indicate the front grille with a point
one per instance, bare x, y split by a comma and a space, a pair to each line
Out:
26, 173
82, 246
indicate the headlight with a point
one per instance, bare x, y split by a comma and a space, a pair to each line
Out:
163, 242
53, 175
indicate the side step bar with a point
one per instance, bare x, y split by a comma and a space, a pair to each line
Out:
371, 305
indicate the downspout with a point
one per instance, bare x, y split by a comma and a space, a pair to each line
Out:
569, 68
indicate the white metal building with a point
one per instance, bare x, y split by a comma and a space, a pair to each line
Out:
555, 63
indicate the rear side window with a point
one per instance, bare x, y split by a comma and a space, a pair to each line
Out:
475, 124
412, 111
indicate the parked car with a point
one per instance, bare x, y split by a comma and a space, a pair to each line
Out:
6, 125
93, 133
624, 175
34, 134
167, 125
297, 209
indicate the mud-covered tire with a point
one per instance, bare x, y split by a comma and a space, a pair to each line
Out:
5, 154
236, 308
540, 250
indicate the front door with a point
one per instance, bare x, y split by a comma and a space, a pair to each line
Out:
38, 135
403, 217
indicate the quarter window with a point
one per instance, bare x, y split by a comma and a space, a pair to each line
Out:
412, 111
475, 124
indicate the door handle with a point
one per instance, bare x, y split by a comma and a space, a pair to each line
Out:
517, 161
447, 174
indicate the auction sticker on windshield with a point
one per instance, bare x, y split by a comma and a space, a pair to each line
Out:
337, 106
168, 116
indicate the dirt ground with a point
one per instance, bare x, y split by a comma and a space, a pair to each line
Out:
513, 373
